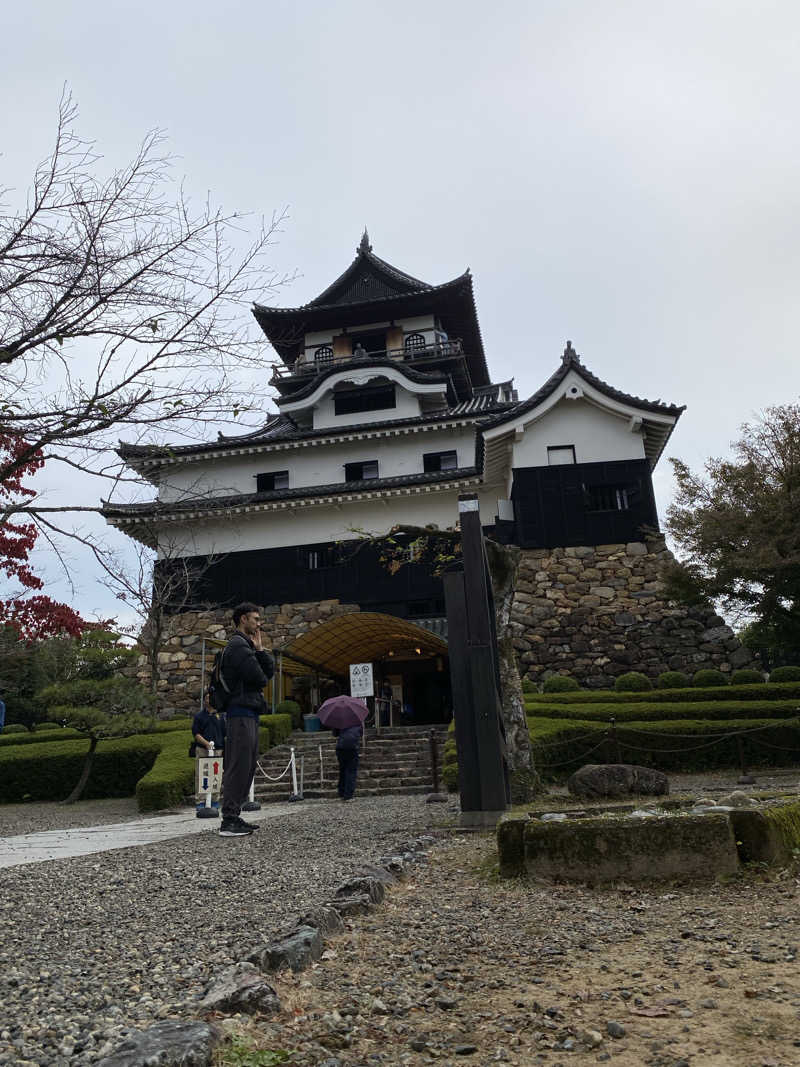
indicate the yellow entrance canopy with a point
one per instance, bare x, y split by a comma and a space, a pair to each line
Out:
362, 637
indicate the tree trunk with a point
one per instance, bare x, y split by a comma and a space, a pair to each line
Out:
77, 792
503, 566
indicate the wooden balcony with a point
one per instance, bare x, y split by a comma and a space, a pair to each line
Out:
416, 357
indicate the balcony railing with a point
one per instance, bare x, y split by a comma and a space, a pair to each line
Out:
426, 353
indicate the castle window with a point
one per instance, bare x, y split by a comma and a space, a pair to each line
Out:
609, 497
439, 461
323, 355
373, 398
414, 342
359, 472
265, 483
559, 454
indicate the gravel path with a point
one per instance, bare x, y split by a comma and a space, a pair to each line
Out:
101, 944
32, 818
456, 967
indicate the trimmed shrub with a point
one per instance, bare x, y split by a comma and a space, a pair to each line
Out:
765, 691
645, 710
278, 727
747, 676
672, 680
633, 682
528, 686
292, 708
48, 771
27, 738
708, 676
14, 728
170, 780
785, 674
560, 683
559, 748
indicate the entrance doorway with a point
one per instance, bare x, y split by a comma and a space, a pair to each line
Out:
409, 664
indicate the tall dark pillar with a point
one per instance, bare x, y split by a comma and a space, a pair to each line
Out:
475, 678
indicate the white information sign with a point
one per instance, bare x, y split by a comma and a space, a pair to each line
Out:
361, 684
209, 771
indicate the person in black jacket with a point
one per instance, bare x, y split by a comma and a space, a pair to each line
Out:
246, 667
348, 741
208, 728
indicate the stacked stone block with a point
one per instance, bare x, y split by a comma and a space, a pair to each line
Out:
597, 612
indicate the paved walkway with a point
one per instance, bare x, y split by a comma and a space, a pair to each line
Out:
82, 841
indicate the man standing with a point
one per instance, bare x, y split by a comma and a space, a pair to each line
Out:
246, 668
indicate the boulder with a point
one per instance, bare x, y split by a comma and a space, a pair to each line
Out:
617, 780
168, 1044
297, 950
241, 988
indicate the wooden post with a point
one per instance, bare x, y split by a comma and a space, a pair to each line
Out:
475, 678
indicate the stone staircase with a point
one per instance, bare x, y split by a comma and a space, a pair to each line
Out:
395, 761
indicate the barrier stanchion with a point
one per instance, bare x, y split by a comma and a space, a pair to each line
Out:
251, 804
295, 795
321, 770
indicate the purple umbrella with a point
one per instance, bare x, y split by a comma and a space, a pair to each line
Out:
341, 712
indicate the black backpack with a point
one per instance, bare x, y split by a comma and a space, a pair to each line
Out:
219, 692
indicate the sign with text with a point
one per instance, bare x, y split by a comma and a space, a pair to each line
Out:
209, 772
361, 684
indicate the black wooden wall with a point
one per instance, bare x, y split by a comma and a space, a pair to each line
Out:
283, 576
555, 506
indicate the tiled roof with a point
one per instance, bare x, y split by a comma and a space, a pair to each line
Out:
281, 428
571, 361
205, 504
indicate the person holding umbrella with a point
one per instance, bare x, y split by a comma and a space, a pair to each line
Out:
345, 715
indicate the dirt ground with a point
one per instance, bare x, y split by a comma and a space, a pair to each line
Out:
458, 966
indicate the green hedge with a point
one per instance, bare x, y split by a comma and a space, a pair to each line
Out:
683, 746
170, 780
26, 738
49, 771
759, 691
647, 711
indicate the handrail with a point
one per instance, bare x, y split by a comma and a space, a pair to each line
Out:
309, 368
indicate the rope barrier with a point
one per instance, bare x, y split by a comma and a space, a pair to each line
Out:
281, 775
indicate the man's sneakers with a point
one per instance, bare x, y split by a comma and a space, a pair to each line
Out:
236, 828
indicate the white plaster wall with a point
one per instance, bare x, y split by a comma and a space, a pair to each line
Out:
406, 407
598, 436
316, 464
318, 525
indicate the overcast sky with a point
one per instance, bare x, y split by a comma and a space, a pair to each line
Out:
622, 173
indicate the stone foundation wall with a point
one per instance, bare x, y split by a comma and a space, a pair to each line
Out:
180, 660
595, 613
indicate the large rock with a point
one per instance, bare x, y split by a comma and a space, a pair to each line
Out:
617, 780
241, 988
297, 950
167, 1044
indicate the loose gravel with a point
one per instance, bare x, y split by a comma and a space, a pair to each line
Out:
98, 945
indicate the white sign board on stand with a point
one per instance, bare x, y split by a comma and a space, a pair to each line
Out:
209, 773
361, 684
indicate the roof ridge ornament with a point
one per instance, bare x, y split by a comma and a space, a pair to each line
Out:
570, 354
365, 246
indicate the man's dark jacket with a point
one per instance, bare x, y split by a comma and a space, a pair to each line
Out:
246, 671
